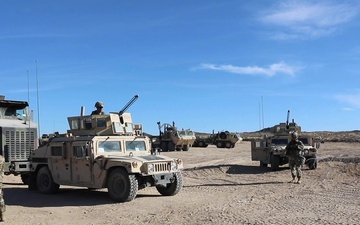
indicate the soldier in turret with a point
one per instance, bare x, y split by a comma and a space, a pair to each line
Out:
2, 202
99, 109
294, 151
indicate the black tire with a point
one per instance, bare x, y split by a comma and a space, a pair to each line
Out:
164, 146
45, 182
232, 145
312, 164
32, 185
201, 144
275, 162
171, 146
263, 164
185, 148
228, 144
122, 187
219, 144
25, 178
172, 188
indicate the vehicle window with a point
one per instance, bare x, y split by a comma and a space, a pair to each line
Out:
135, 146
304, 141
80, 151
279, 141
109, 146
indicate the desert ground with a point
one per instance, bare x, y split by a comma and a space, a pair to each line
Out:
221, 186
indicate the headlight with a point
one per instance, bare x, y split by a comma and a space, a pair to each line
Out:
306, 151
174, 165
150, 167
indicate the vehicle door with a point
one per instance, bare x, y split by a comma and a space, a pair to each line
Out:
60, 162
258, 150
81, 169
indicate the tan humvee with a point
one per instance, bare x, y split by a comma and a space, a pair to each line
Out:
104, 151
271, 149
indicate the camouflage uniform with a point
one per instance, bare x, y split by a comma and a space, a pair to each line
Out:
98, 111
294, 151
2, 202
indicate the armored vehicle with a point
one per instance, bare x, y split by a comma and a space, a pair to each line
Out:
18, 136
171, 139
271, 149
223, 139
104, 151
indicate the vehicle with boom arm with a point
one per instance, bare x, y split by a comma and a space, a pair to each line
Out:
18, 136
271, 149
104, 151
171, 139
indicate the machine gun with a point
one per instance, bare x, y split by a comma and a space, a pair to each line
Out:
128, 104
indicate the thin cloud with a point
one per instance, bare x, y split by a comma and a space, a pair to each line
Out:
353, 100
274, 69
348, 109
310, 19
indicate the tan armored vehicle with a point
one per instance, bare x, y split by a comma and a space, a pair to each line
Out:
18, 137
223, 139
104, 151
271, 149
171, 139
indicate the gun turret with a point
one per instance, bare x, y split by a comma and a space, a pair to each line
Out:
110, 124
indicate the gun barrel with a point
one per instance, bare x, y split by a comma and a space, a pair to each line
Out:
288, 115
128, 104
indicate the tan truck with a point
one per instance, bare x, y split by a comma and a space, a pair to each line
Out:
104, 151
222, 139
18, 137
271, 149
171, 139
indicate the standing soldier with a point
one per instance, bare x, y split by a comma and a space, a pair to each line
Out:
294, 151
2, 202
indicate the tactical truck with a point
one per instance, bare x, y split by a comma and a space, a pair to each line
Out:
104, 151
18, 136
223, 139
271, 149
171, 139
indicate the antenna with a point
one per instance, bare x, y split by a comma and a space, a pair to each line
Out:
259, 116
37, 98
262, 112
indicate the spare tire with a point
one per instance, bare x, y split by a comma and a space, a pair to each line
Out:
223, 135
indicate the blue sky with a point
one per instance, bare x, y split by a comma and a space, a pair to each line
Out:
206, 64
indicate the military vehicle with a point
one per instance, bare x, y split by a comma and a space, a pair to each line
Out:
18, 136
271, 149
104, 151
223, 139
171, 139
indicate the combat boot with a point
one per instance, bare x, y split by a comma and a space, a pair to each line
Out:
293, 179
299, 181
2, 217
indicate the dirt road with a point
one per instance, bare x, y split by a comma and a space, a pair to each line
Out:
221, 186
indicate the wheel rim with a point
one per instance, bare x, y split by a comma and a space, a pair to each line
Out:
45, 182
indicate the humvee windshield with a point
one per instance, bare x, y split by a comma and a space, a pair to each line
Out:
109, 146
279, 141
186, 133
135, 146
304, 141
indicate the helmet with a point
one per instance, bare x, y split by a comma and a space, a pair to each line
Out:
99, 105
294, 135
